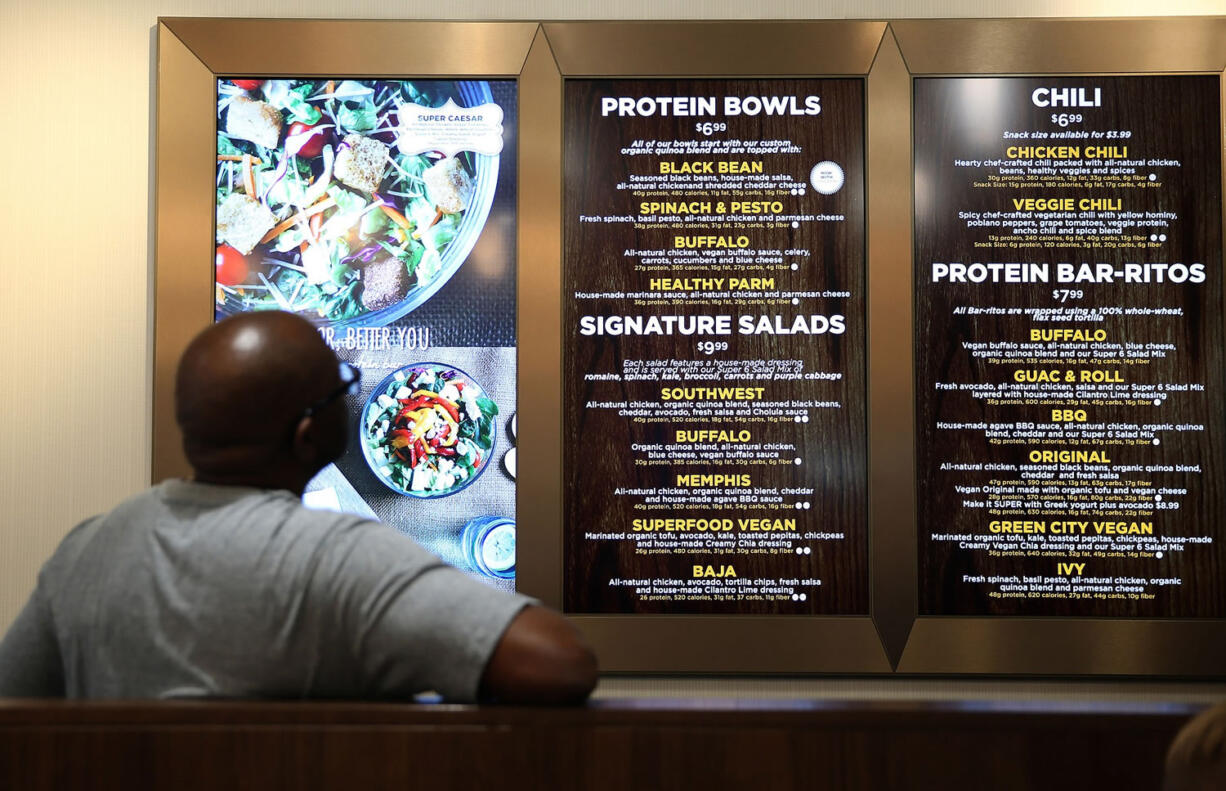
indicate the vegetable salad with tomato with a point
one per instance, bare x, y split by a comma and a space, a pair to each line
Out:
332, 220
430, 432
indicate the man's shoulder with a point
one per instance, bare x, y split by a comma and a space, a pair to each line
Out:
226, 514
85, 531
257, 510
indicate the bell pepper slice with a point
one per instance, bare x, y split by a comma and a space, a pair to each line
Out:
450, 406
399, 438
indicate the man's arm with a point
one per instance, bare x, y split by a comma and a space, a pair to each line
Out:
30, 665
414, 624
540, 659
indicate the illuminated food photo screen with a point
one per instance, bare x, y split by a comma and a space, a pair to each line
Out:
383, 211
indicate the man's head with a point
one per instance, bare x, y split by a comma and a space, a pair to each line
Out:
1196, 759
243, 397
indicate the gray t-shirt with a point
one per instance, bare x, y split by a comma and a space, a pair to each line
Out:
192, 590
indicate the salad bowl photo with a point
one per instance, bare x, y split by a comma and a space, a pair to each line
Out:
428, 430
320, 212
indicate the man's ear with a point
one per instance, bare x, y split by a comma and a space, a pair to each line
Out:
305, 444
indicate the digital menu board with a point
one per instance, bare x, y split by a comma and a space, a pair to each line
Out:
384, 212
1069, 346
713, 355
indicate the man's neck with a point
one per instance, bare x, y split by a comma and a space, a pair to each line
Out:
254, 466
289, 481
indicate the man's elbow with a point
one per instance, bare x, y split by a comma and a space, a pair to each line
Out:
541, 659
575, 674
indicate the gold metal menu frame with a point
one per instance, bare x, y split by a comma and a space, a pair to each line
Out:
684, 643
193, 52
1048, 646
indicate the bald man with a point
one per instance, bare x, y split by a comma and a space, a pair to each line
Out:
226, 586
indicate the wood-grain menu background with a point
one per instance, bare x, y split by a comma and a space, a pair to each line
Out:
1169, 117
597, 453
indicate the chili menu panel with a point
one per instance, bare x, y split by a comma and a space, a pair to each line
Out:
1069, 346
384, 212
714, 347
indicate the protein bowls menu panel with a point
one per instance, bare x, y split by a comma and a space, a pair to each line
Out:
714, 369
1069, 346
384, 212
